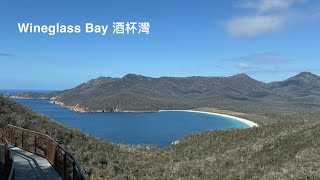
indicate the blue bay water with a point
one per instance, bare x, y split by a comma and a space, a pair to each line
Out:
151, 128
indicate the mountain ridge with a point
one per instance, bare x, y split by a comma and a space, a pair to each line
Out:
134, 92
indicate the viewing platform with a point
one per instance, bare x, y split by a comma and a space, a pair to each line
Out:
25, 154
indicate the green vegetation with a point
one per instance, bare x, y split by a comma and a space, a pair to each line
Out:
139, 93
285, 146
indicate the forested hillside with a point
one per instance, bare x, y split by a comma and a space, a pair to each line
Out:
285, 146
140, 93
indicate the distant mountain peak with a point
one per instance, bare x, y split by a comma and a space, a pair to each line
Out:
131, 75
100, 79
241, 76
95, 82
134, 77
307, 74
305, 77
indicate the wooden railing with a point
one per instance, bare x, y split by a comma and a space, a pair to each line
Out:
6, 160
43, 145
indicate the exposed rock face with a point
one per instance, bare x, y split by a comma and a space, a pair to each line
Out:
77, 107
305, 77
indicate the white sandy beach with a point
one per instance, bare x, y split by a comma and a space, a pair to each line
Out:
249, 123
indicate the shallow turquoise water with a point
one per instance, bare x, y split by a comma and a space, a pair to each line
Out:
156, 128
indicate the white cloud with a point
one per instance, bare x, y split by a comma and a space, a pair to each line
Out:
251, 26
271, 5
267, 16
243, 66
264, 6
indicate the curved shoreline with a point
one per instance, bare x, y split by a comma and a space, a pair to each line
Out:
245, 121
251, 124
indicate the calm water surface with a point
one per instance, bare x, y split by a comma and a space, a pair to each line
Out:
158, 128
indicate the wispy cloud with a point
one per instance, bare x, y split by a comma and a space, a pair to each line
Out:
316, 14
263, 63
266, 63
264, 6
243, 66
281, 70
267, 16
261, 58
6, 54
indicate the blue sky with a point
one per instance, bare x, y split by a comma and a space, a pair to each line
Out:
267, 39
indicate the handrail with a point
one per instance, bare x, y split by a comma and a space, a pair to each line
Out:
8, 159
45, 146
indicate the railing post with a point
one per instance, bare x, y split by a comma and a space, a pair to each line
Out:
65, 165
35, 143
48, 146
11, 135
5, 153
55, 157
22, 133
73, 170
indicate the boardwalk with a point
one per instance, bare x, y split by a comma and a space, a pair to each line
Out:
31, 166
36, 164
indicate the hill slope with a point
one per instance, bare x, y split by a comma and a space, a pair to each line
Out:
140, 93
303, 88
288, 148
